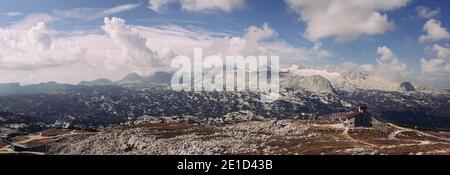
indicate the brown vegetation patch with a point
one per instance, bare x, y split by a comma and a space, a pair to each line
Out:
2, 143
286, 143
55, 132
39, 142
407, 149
323, 144
439, 134
417, 136
376, 137
363, 134
387, 142
316, 147
20, 138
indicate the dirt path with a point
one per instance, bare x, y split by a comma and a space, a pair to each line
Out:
392, 136
30, 138
402, 129
344, 133
348, 136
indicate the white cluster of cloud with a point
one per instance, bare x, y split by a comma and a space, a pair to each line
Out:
31, 52
255, 42
249, 44
34, 48
40, 54
434, 32
344, 19
198, 5
133, 48
388, 65
437, 69
425, 12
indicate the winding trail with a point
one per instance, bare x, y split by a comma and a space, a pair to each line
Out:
344, 133
7, 149
403, 129
348, 136
391, 136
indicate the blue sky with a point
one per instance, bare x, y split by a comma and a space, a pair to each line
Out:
287, 21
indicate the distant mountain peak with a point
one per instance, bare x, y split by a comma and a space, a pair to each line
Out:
133, 77
159, 77
406, 87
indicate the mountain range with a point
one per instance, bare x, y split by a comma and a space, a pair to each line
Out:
302, 95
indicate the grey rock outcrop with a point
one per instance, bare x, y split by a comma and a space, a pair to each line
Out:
316, 83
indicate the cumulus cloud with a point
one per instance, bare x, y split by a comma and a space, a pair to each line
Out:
437, 69
344, 19
249, 44
425, 12
40, 54
256, 42
198, 5
34, 49
434, 32
38, 37
389, 63
133, 46
37, 53
94, 13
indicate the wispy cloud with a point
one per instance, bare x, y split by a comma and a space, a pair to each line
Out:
198, 5
94, 13
13, 14
117, 9
425, 12
32, 19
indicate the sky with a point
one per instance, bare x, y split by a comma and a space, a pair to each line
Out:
69, 41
